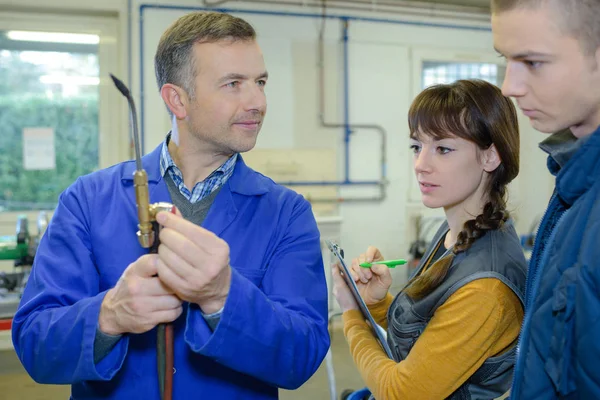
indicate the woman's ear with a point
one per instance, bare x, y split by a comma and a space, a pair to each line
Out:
491, 159
176, 99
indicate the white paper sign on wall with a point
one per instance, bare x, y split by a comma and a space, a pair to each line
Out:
38, 149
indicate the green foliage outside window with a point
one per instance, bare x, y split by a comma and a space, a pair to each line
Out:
75, 124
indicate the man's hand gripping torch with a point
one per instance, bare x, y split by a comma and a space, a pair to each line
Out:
148, 238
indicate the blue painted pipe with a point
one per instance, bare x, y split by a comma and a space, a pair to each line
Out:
347, 131
312, 15
329, 183
130, 46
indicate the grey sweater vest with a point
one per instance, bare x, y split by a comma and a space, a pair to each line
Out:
195, 212
497, 254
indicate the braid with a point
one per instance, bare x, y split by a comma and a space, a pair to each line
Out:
494, 215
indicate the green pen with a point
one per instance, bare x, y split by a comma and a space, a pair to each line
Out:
388, 263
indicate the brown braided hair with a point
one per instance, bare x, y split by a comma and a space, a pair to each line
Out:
477, 111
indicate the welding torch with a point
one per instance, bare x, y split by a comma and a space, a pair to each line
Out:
148, 237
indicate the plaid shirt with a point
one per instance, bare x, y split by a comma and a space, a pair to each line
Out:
202, 189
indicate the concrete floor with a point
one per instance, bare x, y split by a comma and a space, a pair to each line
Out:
15, 384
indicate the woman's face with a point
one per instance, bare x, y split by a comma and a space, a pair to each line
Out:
451, 172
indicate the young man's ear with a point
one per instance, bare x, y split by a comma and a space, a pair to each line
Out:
491, 159
176, 99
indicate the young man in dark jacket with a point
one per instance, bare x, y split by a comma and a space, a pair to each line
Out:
552, 49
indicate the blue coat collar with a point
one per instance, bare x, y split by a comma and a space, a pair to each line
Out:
560, 146
244, 181
580, 171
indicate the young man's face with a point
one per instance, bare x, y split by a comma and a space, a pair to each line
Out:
230, 104
555, 83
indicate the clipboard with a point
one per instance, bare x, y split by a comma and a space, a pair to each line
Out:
378, 331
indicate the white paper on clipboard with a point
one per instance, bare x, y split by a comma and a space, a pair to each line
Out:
378, 331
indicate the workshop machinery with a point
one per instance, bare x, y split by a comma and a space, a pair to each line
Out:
19, 249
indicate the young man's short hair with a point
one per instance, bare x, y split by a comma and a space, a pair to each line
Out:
580, 18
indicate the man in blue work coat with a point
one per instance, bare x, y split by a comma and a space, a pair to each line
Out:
240, 276
552, 48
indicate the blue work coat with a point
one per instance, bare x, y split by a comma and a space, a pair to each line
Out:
273, 329
559, 346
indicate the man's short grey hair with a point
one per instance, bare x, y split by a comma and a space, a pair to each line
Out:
174, 61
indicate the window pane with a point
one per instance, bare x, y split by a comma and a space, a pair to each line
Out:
447, 72
52, 86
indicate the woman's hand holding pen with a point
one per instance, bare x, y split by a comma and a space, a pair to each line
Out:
372, 283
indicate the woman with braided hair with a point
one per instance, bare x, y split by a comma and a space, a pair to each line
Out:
453, 328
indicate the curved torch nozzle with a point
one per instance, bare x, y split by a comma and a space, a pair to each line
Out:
145, 234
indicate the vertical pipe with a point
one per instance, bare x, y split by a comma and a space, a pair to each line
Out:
129, 44
141, 61
347, 130
330, 374
130, 62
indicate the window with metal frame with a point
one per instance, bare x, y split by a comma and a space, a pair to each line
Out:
48, 115
436, 72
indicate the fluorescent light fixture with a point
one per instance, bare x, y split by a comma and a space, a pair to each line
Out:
70, 80
53, 37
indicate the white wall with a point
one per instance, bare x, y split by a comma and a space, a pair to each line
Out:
382, 84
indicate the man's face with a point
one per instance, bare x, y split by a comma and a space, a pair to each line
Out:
230, 104
553, 81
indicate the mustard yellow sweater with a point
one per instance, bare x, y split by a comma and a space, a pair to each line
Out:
480, 320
